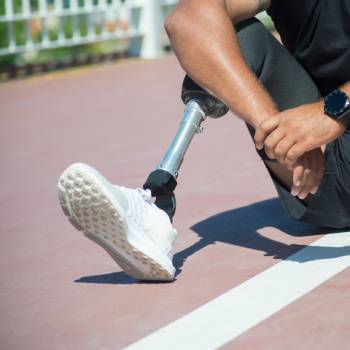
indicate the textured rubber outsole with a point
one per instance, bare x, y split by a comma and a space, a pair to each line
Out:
88, 207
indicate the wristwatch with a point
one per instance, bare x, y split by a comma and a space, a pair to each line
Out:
337, 106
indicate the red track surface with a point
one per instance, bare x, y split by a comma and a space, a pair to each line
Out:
61, 291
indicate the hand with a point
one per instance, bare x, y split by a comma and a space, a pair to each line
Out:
308, 172
288, 135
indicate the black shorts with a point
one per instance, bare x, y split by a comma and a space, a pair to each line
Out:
290, 86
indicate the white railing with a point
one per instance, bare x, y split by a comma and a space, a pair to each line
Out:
44, 25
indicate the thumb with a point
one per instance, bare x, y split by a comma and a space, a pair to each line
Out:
264, 129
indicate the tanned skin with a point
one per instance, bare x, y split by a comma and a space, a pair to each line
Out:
204, 40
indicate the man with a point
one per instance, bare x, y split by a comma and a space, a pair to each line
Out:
293, 98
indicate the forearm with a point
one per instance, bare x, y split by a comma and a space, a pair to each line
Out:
290, 134
205, 42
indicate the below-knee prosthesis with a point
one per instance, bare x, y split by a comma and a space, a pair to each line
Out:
199, 105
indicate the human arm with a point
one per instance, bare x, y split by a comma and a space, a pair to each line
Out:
295, 137
204, 40
203, 37
288, 135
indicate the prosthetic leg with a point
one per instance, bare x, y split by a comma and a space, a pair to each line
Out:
199, 105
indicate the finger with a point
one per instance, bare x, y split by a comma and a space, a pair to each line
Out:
310, 175
304, 190
298, 173
312, 184
297, 176
315, 182
264, 129
283, 147
295, 152
319, 169
271, 142
314, 189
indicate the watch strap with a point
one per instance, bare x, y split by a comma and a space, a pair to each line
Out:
337, 110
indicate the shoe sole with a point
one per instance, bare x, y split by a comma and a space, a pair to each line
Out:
88, 203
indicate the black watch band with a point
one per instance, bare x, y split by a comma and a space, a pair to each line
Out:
337, 107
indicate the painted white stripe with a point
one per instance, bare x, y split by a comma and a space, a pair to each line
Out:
234, 312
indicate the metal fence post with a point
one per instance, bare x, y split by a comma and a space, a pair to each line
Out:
152, 29
10, 27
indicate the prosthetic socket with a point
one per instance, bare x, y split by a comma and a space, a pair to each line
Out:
199, 104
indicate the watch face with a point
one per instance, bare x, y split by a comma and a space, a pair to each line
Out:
335, 103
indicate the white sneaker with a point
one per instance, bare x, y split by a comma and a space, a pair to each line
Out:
125, 222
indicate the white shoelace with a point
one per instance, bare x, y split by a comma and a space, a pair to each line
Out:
137, 212
145, 194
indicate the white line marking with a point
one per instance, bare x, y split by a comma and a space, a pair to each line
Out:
234, 312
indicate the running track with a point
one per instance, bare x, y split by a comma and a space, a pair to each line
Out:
261, 284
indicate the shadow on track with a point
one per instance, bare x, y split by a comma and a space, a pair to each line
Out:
240, 227
114, 278
108, 278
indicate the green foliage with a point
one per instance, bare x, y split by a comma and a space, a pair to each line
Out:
19, 29
67, 24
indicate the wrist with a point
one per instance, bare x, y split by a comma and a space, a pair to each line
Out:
336, 127
260, 117
254, 111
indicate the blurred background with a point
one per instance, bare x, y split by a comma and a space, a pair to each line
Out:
43, 35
